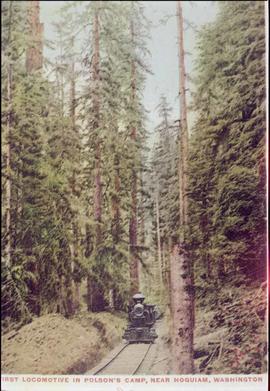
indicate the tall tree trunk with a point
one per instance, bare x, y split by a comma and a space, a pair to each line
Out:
60, 82
73, 96
182, 295
75, 242
111, 299
166, 257
9, 123
116, 201
8, 183
142, 214
61, 296
76, 281
163, 261
62, 97
95, 289
98, 193
34, 62
159, 244
182, 340
141, 223
89, 294
77, 294
88, 251
34, 56
134, 263
183, 135
115, 225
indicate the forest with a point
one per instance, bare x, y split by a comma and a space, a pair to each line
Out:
93, 212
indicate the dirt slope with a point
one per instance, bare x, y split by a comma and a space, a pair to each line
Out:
230, 337
230, 333
53, 344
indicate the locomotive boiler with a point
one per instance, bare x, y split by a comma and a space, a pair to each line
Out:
142, 318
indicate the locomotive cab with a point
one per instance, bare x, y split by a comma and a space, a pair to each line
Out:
138, 298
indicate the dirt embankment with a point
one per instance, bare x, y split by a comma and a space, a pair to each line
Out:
230, 337
53, 344
230, 334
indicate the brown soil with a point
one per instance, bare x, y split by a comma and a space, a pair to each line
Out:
230, 337
230, 333
156, 362
53, 344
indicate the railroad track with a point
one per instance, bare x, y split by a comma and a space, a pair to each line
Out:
126, 361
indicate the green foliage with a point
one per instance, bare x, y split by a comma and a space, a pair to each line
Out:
54, 135
164, 181
118, 113
13, 296
53, 142
163, 201
227, 145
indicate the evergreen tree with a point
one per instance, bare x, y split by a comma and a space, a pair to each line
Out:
164, 187
227, 188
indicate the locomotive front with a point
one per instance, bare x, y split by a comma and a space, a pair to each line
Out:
141, 321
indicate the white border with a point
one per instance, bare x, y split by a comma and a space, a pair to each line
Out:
150, 383
135, 383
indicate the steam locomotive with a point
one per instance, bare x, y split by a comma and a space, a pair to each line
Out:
141, 321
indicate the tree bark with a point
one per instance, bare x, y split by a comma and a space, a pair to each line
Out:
62, 95
163, 261
75, 227
166, 257
115, 224
181, 286
183, 129
73, 96
134, 263
142, 214
141, 230
116, 201
88, 243
159, 243
77, 294
98, 193
34, 62
34, 56
95, 290
111, 299
8, 183
89, 294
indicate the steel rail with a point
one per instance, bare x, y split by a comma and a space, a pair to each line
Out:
109, 362
117, 355
144, 357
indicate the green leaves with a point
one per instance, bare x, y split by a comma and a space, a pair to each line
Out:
228, 135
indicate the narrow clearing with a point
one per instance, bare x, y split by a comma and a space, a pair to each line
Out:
53, 344
222, 337
155, 357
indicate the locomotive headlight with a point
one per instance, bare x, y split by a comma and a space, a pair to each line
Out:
138, 310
